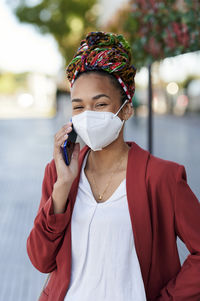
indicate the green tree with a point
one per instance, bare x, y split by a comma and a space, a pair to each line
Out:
67, 20
159, 28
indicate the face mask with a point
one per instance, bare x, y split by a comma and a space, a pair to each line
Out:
98, 129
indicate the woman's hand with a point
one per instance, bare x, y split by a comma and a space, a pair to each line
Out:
65, 174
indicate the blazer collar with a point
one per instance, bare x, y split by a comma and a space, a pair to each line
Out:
137, 202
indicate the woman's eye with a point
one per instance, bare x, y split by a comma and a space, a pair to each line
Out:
101, 104
77, 108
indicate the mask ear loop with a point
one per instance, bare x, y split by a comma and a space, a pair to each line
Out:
120, 108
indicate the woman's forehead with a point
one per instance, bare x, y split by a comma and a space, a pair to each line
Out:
92, 83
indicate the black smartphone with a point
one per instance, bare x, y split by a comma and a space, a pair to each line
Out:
68, 147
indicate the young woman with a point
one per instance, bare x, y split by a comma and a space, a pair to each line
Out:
107, 224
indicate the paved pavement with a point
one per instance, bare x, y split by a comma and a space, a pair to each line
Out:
25, 148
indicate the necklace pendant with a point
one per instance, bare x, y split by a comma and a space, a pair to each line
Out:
100, 197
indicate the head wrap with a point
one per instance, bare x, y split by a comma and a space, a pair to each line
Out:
105, 51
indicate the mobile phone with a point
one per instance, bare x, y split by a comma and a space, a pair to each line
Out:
68, 147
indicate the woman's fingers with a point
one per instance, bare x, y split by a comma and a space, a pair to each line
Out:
62, 139
62, 131
61, 136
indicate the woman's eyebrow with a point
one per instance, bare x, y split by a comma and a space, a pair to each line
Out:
99, 96
93, 98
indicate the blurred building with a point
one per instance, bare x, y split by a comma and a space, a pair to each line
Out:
35, 97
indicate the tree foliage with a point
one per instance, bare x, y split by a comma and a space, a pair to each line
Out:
157, 29
67, 20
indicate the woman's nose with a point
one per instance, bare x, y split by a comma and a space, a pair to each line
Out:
89, 107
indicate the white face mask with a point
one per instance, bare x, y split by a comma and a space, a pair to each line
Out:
98, 129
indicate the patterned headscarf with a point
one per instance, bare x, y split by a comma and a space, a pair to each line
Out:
105, 51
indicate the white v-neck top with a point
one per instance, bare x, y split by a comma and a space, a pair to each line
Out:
105, 266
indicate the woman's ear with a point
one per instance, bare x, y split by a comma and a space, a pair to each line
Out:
127, 111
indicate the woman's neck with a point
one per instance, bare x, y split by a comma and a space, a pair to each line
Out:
107, 159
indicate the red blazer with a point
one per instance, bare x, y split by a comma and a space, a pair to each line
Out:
161, 206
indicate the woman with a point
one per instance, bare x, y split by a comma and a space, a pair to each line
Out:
107, 224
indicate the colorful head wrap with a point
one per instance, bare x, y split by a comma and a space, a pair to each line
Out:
105, 51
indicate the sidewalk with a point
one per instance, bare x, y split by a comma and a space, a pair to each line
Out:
27, 146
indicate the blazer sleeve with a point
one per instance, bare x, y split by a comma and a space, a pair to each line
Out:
46, 236
186, 285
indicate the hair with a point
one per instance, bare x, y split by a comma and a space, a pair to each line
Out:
113, 81
107, 54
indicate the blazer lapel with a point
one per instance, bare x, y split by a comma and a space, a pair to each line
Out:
139, 207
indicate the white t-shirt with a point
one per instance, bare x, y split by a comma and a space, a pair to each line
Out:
105, 266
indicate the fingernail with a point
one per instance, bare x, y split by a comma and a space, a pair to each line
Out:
69, 129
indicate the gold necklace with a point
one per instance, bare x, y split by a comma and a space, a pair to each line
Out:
100, 196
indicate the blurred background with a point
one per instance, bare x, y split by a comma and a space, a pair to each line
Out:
38, 39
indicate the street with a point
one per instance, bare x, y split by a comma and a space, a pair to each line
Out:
26, 146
